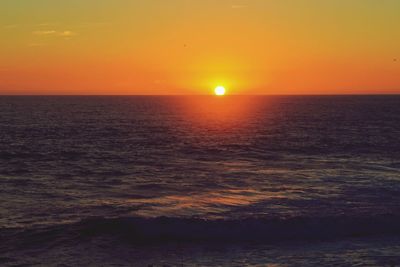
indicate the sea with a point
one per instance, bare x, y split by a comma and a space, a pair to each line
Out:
200, 181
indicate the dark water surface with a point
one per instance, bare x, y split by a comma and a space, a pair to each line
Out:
236, 180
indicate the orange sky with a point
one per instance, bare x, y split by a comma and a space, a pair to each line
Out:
191, 46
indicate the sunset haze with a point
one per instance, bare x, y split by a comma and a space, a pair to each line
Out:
157, 47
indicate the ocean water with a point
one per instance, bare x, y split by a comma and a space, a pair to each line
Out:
200, 181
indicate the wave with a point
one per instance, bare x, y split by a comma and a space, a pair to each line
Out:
139, 230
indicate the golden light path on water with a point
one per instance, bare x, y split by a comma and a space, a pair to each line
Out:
209, 203
213, 123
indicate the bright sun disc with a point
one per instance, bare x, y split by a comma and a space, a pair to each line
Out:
220, 90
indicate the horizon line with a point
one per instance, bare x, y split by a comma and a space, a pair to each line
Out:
202, 95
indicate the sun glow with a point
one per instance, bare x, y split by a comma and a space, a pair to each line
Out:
220, 91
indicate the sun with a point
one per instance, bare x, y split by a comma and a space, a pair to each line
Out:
219, 91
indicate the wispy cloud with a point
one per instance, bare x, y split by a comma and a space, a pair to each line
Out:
48, 32
65, 34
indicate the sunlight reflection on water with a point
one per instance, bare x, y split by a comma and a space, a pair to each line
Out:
203, 204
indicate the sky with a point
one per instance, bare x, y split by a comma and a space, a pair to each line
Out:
157, 47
